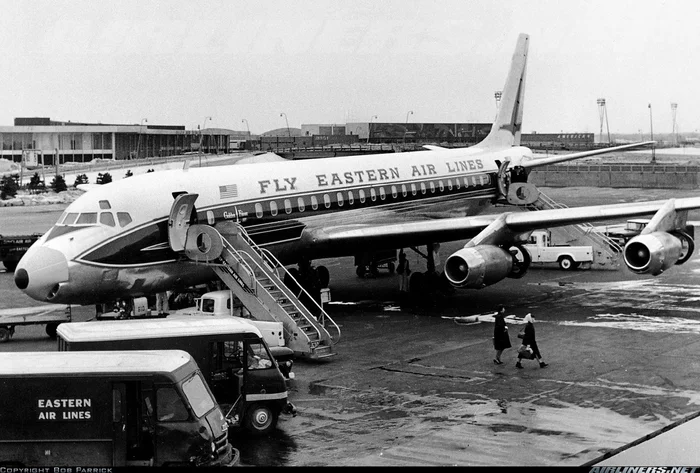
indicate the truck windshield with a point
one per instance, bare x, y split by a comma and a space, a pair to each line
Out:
198, 395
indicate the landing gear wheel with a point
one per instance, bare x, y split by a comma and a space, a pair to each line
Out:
4, 335
51, 330
566, 263
361, 271
324, 276
260, 419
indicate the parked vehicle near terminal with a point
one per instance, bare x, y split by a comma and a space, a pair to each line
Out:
102, 408
542, 250
234, 359
12, 248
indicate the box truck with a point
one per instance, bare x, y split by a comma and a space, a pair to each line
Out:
109, 408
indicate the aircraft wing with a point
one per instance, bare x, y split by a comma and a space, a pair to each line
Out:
583, 154
415, 233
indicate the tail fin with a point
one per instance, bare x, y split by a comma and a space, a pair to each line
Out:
505, 131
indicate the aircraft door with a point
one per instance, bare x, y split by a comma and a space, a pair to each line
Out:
179, 222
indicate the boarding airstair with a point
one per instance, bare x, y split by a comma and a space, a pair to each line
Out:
255, 277
606, 251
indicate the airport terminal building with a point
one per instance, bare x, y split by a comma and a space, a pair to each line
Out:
44, 141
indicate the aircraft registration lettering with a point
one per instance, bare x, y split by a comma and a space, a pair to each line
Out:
280, 185
466, 165
350, 177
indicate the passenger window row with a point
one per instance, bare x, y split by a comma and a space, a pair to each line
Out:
375, 193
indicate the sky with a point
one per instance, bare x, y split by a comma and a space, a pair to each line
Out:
266, 64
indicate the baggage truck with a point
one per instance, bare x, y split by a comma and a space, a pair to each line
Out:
234, 359
109, 408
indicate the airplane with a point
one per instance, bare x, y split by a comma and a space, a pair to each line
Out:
120, 240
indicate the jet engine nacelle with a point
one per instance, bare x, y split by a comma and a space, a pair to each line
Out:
478, 266
655, 252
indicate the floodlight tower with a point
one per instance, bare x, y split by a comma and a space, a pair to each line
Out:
674, 106
603, 112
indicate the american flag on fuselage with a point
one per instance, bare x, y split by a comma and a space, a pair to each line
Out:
229, 191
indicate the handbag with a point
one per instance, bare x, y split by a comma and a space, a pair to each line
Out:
521, 334
526, 352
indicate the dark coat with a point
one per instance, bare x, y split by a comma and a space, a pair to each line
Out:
501, 340
529, 339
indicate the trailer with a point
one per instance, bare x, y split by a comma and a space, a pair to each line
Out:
51, 316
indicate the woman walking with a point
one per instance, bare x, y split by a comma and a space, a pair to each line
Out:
529, 340
501, 340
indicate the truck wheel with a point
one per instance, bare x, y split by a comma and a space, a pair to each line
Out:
360, 271
51, 330
566, 263
4, 334
260, 419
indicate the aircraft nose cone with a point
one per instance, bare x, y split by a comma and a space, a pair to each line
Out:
39, 272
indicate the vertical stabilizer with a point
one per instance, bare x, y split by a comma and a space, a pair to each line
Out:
505, 131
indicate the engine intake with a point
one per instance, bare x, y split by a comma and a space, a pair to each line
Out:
478, 266
654, 253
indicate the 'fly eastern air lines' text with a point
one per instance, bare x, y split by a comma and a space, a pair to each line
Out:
287, 184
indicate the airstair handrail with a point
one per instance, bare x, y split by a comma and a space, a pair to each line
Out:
274, 264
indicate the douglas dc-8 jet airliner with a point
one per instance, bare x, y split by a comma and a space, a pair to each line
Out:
125, 239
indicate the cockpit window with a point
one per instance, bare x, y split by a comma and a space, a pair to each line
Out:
87, 218
124, 218
104, 205
70, 219
106, 218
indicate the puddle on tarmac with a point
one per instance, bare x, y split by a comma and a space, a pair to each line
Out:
640, 322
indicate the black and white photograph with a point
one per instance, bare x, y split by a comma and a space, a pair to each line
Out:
329, 233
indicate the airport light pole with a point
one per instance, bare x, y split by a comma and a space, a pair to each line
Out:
138, 142
674, 107
369, 128
201, 139
247, 126
651, 130
287, 122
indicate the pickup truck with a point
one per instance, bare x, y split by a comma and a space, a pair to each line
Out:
223, 303
542, 250
12, 248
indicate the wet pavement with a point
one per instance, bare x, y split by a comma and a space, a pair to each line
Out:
410, 386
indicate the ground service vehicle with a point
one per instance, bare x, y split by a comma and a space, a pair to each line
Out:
10, 318
224, 303
12, 248
542, 250
234, 359
97, 408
